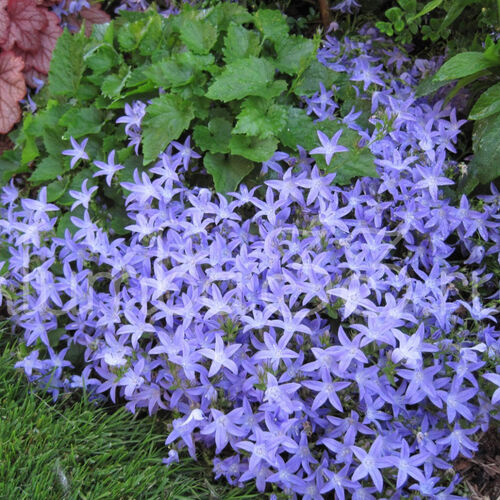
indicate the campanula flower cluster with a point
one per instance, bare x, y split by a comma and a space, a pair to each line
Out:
329, 341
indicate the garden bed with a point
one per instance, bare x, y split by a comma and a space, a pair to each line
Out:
281, 246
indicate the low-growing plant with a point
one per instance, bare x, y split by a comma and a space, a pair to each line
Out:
231, 79
310, 338
479, 70
433, 21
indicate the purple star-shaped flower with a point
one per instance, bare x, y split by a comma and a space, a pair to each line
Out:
108, 168
78, 151
220, 356
328, 146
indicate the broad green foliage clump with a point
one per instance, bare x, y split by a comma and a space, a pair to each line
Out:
436, 20
231, 79
478, 70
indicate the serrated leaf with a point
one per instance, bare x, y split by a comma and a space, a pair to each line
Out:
87, 91
46, 170
143, 32
199, 35
464, 64
488, 104
10, 164
53, 141
112, 85
81, 122
259, 118
166, 118
67, 65
253, 148
299, 130
227, 173
30, 150
56, 189
240, 42
178, 70
294, 53
214, 138
271, 23
241, 78
308, 83
102, 58
225, 13
353, 163
47, 118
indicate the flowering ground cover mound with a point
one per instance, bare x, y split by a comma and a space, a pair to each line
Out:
321, 341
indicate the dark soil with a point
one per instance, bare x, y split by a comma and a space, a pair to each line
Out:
5, 143
481, 474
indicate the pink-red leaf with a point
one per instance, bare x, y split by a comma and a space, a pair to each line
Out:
26, 22
40, 60
12, 90
4, 21
91, 16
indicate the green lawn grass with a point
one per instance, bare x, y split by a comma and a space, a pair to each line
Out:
76, 450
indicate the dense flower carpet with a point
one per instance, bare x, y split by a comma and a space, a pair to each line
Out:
323, 340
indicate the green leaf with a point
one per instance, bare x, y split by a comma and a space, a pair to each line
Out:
113, 84
241, 78
260, 118
240, 42
56, 189
87, 91
81, 122
488, 104
299, 130
166, 118
144, 34
102, 58
428, 85
453, 11
227, 173
10, 164
30, 150
485, 165
225, 13
67, 65
65, 223
119, 219
53, 141
215, 137
253, 148
357, 162
308, 83
393, 14
178, 70
429, 7
199, 35
46, 170
294, 53
47, 118
464, 64
75, 184
385, 27
272, 24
